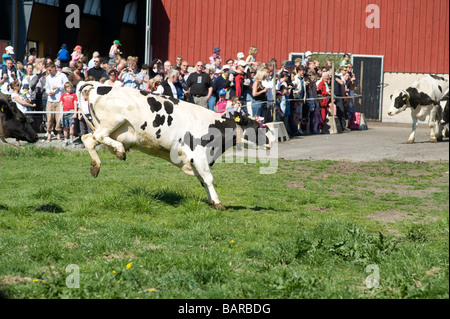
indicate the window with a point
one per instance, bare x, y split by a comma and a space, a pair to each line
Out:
92, 7
54, 3
129, 14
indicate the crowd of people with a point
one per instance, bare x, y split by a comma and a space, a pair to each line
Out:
303, 87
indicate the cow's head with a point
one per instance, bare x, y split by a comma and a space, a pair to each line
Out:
15, 124
252, 132
399, 102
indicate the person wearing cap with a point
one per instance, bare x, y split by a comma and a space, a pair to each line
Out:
221, 104
9, 53
114, 50
240, 57
238, 89
63, 56
76, 54
216, 54
305, 61
222, 81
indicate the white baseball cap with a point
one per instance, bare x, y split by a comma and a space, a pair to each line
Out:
308, 53
241, 55
9, 49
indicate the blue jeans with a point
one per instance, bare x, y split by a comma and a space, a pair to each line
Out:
212, 102
258, 108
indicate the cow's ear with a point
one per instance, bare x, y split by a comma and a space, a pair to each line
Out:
4, 108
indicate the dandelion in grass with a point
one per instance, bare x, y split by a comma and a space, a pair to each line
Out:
129, 265
113, 271
35, 280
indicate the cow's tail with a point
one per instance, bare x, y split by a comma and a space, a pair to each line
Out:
87, 86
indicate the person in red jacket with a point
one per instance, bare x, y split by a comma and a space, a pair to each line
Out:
324, 89
239, 79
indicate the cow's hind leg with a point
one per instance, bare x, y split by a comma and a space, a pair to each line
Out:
202, 171
90, 143
432, 123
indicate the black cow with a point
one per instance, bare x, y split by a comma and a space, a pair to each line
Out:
15, 124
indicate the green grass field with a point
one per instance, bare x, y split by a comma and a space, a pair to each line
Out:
144, 229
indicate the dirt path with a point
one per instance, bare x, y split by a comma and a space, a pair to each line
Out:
380, 141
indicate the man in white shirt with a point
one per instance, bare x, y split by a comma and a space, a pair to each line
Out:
168, 87
54, 86
91, 61
7, 76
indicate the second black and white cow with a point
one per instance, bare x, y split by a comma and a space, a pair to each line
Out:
187, 135
445, 118
444, 108
423, 98
15, 124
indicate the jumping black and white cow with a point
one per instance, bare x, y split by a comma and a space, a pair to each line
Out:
187, 135
423, 98
14, 124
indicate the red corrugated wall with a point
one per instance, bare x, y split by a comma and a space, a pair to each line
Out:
413, 37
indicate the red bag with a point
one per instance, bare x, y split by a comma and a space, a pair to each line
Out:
358, 122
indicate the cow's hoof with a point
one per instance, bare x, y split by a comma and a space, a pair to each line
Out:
411, 141
121, 156
187, 169
95, 169
218, 206
433, 140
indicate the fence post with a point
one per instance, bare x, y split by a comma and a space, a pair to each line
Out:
274, 92
277, 128
333, 120
361, 86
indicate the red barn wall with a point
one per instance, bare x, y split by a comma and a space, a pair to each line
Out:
413, 37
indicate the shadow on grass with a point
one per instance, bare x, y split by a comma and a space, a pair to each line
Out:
166, 196
49, 208
254, 209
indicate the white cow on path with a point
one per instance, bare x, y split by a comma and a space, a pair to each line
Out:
187, 135
423, 98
